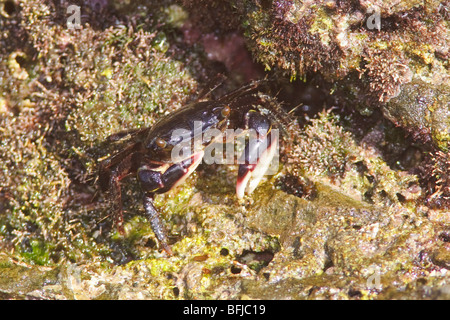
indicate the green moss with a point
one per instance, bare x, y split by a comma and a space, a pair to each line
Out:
131, 97
302, 38
326, 150
324, 147
176, 15
113, 78
39, 252
322, 25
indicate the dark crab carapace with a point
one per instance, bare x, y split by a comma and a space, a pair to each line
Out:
149, 153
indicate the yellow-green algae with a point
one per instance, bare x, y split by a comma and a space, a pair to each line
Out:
83, 85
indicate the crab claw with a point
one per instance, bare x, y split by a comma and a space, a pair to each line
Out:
255, 162
177, 173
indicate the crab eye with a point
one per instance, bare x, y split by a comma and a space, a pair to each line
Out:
161, 143
225, 111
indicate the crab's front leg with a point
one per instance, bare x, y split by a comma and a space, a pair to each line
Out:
156, 223
258, 153
159, 180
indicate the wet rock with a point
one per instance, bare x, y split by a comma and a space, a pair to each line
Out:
424, 111
441, 257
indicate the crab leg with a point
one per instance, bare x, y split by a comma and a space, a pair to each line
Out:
156, 223
153, 181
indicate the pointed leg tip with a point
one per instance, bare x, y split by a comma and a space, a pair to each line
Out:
121, 229
167, 249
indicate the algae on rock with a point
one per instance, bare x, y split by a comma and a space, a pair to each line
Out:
337, 222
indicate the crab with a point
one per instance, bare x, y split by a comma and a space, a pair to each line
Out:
149, 153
